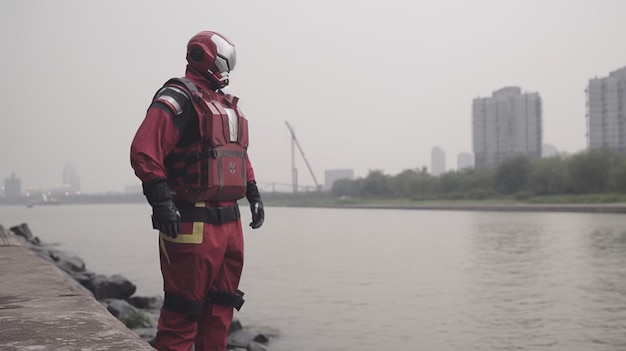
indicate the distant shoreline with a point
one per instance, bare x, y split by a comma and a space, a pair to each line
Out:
82, 199
616, 207
588, 208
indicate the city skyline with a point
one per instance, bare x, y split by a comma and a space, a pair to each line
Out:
71, 180
372, 89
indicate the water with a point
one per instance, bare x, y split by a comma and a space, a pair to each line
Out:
350, 279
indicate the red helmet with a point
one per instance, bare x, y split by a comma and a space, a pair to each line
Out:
212, 55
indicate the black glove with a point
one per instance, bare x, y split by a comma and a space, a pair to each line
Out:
166, 218
256, 205
165, 215
258, 215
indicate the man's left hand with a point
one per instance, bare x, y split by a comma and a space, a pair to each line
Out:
258, 214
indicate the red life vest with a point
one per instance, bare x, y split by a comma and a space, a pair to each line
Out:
214, 168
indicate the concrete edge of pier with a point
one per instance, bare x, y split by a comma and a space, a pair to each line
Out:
41, 309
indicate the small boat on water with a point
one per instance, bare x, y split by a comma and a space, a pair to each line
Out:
46, 201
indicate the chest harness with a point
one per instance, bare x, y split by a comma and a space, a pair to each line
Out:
213, 168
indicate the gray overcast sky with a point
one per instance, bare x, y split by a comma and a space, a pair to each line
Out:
366, 84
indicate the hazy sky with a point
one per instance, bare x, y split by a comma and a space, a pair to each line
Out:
367, 85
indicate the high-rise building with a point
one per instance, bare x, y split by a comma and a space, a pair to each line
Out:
12, 186
464, 160
505, 125
71, 180
437, 161
606, 101
333, 175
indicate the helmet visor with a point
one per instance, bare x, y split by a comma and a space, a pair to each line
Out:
226, 57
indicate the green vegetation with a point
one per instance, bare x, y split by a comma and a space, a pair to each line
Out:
597, 176
136, 320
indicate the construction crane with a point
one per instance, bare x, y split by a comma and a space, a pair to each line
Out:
294, 170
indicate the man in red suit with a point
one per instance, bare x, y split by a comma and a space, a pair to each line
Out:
190, 154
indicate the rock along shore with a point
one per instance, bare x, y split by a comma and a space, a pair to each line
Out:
50, 301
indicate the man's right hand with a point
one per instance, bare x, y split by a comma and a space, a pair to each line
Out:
165, 215
166, 218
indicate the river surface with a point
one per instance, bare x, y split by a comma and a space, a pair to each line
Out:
372, 279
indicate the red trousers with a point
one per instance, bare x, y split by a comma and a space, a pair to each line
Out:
204, 257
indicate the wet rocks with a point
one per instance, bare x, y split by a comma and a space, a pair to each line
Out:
116, 293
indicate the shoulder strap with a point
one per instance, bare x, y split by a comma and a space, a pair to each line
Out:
175, 93
186, 82
231, 99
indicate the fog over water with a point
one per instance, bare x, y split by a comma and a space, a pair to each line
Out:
367, 85
331, 279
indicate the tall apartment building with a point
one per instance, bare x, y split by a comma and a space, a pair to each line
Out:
437, 161
464, 160
12, 187
70, 178
606, 100
505, 125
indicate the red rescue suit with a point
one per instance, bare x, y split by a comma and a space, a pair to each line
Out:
205, 257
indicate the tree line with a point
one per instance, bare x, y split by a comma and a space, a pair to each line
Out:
586, 172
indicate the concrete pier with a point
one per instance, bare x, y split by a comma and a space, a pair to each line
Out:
40, 308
